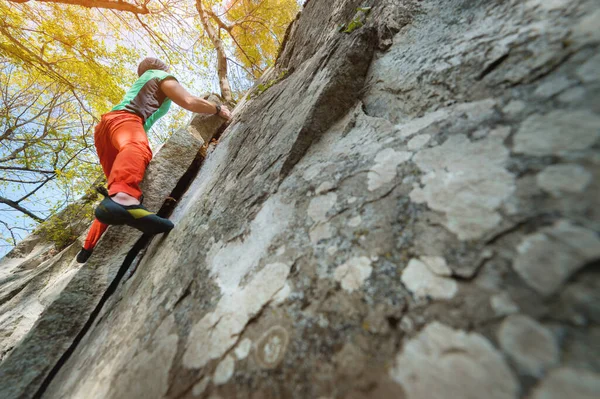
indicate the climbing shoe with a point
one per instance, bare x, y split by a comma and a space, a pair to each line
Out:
84, 255
111, 213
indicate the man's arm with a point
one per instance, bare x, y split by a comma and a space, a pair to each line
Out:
181, 97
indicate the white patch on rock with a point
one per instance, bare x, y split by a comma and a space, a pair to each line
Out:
384, 170
419, 124
353, 273
224, 370
351, 200
564, 383
556, 179
442, 363
557, 132
500, 132
503, 305
324, 187
477, 110
332, 250
514, 107
282, 295
322, 321
466, 181
546, 259
553, 86
320, 232
271, 347
243, 348
313, 171
319, 206
529, 344
418, 141
437, 265
219, 330
355, 221
422, 282
229, 263
231, 183
201, 386
586, 31
572, 95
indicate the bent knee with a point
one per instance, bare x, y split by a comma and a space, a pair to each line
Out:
140, 147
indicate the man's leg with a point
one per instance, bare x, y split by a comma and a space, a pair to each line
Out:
107, 154
98, 228
122, 206
127, 135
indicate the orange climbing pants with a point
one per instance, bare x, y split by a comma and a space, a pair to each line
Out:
124, 153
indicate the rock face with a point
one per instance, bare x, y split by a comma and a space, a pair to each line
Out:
61, 296
411, 212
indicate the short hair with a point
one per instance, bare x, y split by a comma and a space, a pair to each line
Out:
151, 63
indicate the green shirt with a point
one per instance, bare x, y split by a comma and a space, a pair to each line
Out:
146, 99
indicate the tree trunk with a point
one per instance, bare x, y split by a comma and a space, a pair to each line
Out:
221, 58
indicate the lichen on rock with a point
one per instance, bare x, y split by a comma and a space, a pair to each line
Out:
424, 281
442, 362
467, 181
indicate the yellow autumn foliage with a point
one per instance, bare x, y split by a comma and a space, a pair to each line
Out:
258, 29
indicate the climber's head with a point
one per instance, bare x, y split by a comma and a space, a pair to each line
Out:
151, 63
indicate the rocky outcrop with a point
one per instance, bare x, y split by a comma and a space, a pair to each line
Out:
410, 211
59, 298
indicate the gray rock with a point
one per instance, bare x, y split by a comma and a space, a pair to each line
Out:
319, 250
557, 179
503, 305
568, 383
589, 72
547, 258
529, 344
557, 132
202, 126
61, 318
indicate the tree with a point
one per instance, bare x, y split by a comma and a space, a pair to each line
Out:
256, 28
253, 29
141, 8
45, 144
65, 62
69, 48
53, 83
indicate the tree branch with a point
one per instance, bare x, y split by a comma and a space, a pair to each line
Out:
26, 169
112, 5
221, 57
218, 20
19, 208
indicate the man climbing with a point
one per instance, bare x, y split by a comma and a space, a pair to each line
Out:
122, 146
